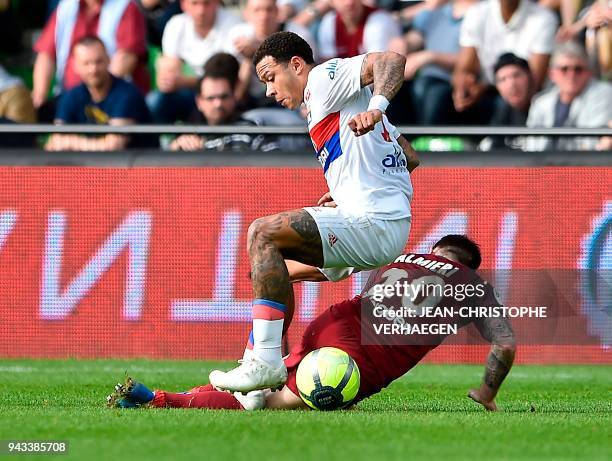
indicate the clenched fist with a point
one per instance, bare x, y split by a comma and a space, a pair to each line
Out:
364, 122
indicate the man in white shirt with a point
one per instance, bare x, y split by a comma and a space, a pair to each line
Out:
353, 28
366, 163
189, 40
492, 28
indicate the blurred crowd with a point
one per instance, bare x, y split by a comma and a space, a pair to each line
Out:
468, 62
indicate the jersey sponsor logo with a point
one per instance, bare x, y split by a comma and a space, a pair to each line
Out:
331, 68
395, 163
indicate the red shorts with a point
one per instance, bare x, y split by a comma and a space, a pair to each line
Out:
333, 328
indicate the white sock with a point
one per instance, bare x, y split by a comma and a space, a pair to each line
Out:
267, 340
248, 354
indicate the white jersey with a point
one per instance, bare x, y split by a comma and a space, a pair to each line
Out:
365, 174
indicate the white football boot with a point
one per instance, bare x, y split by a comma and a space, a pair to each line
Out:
252, 374
254, 400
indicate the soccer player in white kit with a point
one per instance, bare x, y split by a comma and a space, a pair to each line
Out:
365, 220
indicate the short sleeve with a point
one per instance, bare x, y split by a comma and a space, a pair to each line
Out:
336, 81
544, 41
380, 28
238, 31
421, 20
131, 32
326, 36
171, 36
46, 41
471, 31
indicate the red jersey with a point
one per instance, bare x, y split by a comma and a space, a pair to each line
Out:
381, 358
436, 290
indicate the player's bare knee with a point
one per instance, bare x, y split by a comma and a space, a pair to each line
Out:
260, 232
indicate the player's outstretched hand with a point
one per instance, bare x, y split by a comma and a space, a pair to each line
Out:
478, 396
364, 122
326, 200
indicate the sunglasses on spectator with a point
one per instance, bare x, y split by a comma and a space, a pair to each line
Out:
222, 96
575, 69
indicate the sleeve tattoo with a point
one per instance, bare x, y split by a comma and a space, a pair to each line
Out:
385, 71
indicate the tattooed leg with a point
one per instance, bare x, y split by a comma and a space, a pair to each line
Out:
498, 365
270, 240
293, 235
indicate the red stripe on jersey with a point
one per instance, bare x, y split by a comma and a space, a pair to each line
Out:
325, 129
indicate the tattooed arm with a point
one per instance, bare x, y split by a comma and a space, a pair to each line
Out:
386, 72
499, 361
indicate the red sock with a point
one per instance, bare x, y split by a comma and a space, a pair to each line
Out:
212, 399
205, 388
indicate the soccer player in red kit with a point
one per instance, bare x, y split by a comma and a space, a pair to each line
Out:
381, 358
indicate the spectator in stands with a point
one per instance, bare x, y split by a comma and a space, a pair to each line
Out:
414, 9
514, 83
15, 101
157, 14
515, 86
101, 99
573, 17
217, 105
287, 9
353, 28
261, 18
598, 38
431, 48
489, 29
189, 40
120, 25
575, 100
589, 22
312, 13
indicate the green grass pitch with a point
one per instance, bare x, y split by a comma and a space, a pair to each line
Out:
550, 413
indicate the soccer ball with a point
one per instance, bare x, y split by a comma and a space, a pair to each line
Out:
327, 379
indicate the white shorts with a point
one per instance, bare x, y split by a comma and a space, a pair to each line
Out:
357, 242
